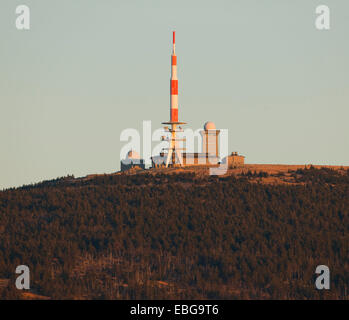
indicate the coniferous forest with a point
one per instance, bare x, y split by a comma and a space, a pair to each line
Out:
178, 236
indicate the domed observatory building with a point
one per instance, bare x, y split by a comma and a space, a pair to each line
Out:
209, 154
210, 139
133, 160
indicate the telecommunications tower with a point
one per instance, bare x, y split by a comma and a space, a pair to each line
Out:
174, 152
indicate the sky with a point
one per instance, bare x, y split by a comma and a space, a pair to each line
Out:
87, 70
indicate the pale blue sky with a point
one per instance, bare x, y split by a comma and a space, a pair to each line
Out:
88, 69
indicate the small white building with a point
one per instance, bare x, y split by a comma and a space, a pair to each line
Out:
132, 160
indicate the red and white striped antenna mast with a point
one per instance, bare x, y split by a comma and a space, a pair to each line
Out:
174, 149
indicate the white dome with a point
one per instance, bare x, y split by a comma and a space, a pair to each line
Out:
209, 125
133, 155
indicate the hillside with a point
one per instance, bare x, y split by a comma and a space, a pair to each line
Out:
174, 234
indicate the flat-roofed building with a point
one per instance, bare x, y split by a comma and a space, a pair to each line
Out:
234, 160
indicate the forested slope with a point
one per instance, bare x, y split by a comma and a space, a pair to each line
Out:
178, 236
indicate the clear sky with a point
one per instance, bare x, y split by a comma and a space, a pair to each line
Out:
88, 69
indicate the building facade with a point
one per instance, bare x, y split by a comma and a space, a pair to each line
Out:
234, 160
132, 160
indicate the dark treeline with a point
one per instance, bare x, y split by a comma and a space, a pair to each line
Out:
178, 236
